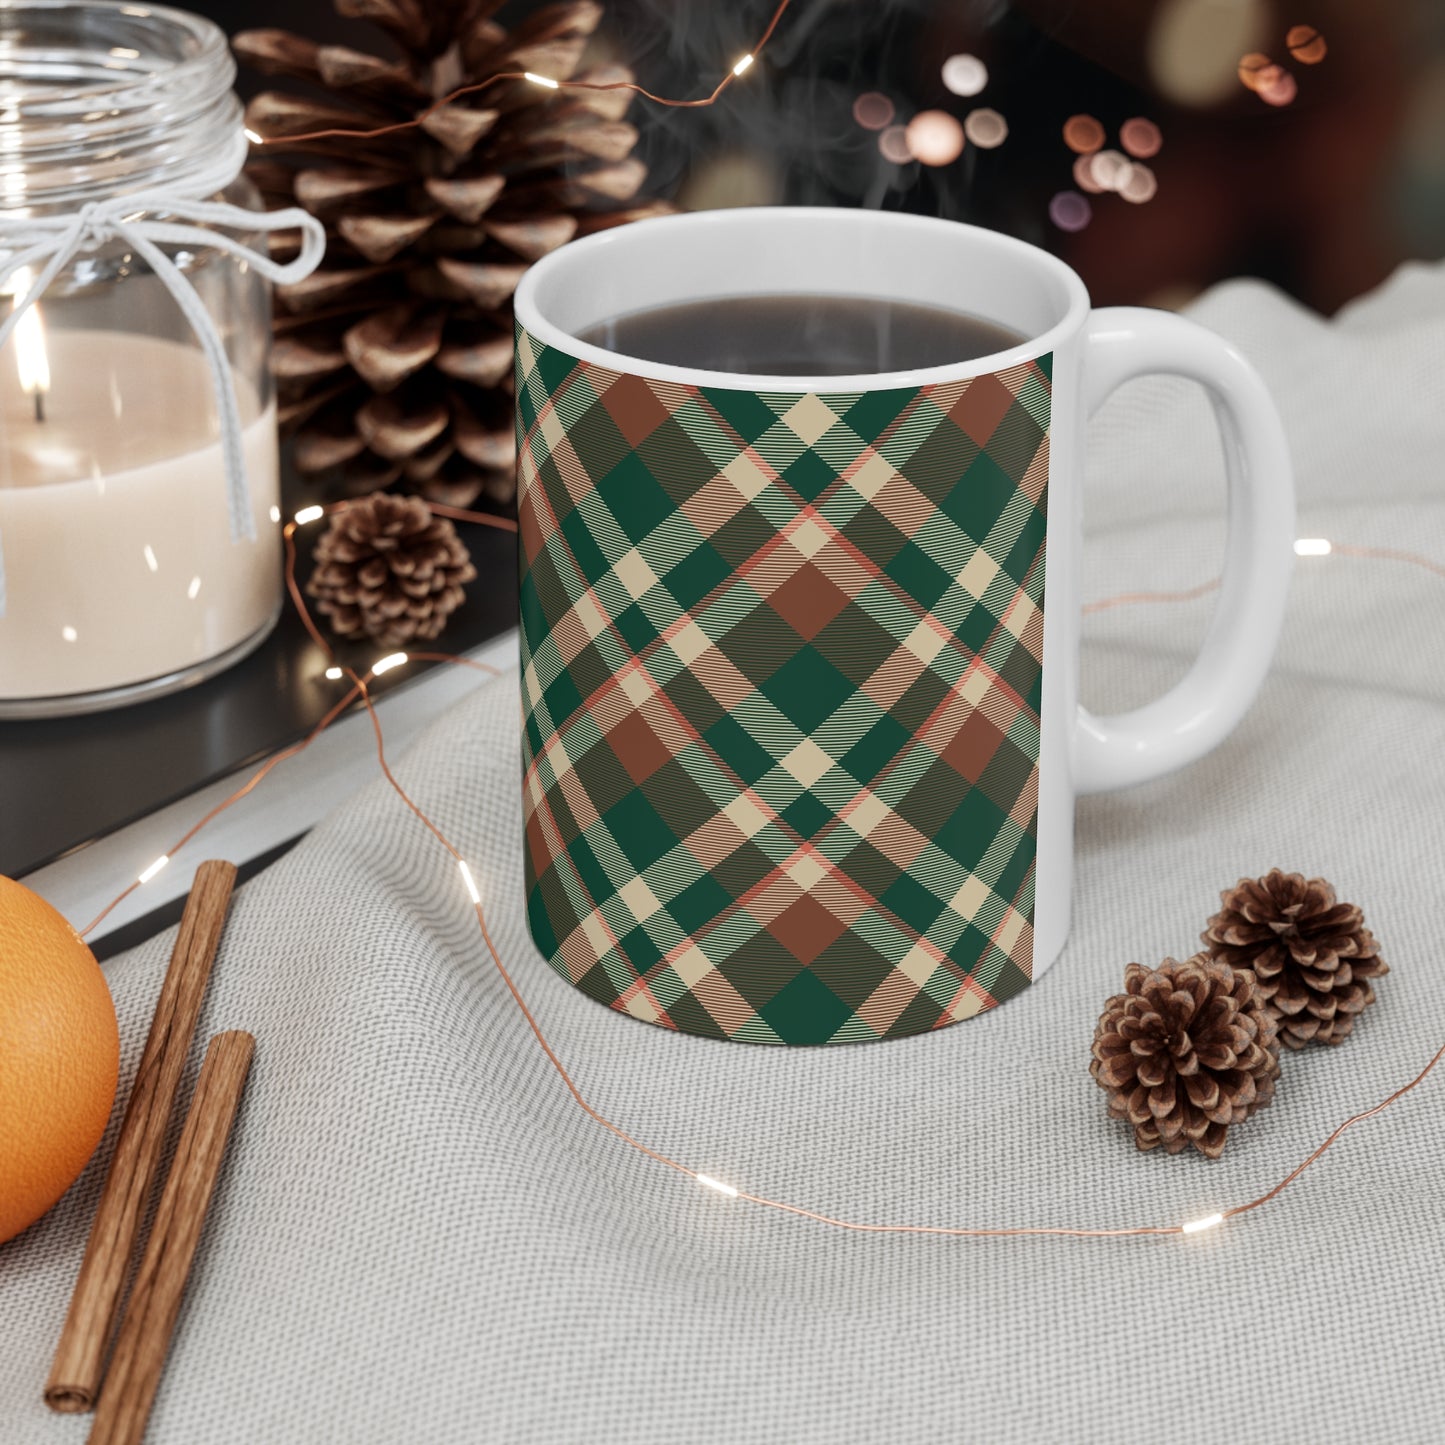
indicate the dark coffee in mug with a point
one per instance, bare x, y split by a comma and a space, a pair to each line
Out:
802, 335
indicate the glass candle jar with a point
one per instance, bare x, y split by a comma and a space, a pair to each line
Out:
136, 560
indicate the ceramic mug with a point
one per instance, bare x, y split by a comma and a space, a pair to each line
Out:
800, 656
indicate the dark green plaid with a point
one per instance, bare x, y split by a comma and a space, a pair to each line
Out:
781, 661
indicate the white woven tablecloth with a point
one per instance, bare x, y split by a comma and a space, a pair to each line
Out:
419, 1238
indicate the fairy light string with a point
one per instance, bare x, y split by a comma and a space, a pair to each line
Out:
545, 82
360, 691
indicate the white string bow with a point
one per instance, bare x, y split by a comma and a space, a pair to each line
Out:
52, 242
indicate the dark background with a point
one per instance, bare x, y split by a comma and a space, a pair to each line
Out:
1323, 196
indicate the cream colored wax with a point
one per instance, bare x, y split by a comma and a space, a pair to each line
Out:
114, 523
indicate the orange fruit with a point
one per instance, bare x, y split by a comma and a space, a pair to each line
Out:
59, 1056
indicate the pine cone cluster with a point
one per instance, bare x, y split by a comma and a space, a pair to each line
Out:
1313, 957
393, 360
387, 569
1187, 1050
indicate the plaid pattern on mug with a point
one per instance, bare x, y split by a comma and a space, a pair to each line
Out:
781, 667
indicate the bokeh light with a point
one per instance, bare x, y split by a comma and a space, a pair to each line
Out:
1306, 44
1084, 175
1110, 169
1278, 88
1140, 184
1140, 137
934, 137
872, 110
1194, 46
985, 128
893, 142
1266, 75
1070, 211
1252, 66
1083, 134
965, 74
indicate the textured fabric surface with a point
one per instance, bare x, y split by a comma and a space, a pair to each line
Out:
418, 1237
781, 673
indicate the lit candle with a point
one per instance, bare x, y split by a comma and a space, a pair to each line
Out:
113, 516
31, 360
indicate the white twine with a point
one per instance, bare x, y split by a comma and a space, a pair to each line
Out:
52, 242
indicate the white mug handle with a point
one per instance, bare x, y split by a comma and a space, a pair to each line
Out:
1199, 712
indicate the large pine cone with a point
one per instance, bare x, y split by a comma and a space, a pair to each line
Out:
1187, 1050
394, 359
1313, 956
387, 569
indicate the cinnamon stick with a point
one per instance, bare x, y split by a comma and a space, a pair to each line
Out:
79, 1362
155, 1298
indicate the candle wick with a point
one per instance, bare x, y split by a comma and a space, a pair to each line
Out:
39, 404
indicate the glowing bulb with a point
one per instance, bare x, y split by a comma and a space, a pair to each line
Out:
309, 514
1070, 211
385, 664
1196, 1225
333, 673
1141, 138
934, 137
1313, 547
964, 74
541, 80
893, 143
256, 140
1139, 185
1277, 86
155, 868
1083, 134
470, 881
710, 1183
1110, 169
873, 111
742, 64
31, 359
985, 128
1306, 44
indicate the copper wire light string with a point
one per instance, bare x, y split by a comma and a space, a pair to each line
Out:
1190, 594
359, 689
344, 133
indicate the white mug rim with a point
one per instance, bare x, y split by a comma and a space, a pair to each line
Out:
614, 242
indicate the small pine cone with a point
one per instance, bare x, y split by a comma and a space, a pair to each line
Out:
1313, 956
1185, 1051
387, 569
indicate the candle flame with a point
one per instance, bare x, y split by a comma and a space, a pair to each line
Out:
31, 359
